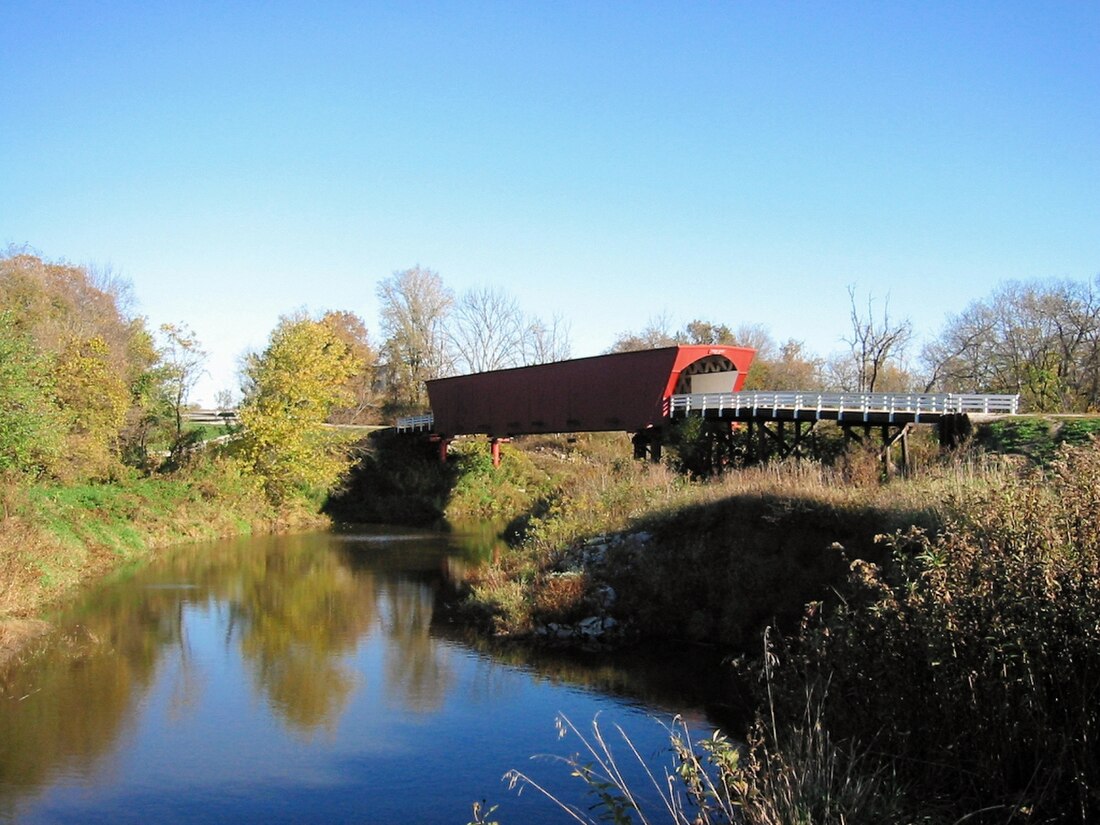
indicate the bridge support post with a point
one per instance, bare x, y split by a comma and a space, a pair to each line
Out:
888, 442
444, 443
494, 449
953, 430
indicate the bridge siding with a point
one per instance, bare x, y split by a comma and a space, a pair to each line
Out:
623, 391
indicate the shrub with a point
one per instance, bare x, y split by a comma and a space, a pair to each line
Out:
973, 656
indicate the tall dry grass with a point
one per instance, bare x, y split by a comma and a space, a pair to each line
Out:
971, 658
731, 554
955, 682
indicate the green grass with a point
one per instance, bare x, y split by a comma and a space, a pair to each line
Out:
57, 536
1036, 437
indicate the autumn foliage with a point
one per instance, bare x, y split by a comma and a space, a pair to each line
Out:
293, 387
75, 385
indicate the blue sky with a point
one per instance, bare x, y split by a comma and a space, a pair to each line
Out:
609, 162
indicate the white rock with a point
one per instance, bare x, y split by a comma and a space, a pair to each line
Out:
605, 596
590, 627
596, 555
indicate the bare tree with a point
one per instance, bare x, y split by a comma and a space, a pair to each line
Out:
877, 345
414, 309
544, 342
183, 360
223, 400
1038, 339
486, 330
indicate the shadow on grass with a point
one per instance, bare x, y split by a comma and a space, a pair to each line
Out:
721, 572
396, 479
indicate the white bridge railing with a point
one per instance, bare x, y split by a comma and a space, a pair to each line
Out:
846, 405
416, 423
210, 416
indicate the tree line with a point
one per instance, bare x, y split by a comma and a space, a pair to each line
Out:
1038, 339
88, 391
86, 388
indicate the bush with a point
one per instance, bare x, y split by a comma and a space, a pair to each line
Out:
973, 657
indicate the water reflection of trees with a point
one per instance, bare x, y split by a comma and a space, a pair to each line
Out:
416, 674
296, 612
296, 607
63, 710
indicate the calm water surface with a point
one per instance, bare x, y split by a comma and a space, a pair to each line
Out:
301, 679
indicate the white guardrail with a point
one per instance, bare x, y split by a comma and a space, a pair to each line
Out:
416, 423
841, 404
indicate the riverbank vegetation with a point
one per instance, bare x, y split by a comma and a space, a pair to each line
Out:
721, 558
98, 466
923, 651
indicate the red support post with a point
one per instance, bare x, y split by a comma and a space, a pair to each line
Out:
494, 447
443, 444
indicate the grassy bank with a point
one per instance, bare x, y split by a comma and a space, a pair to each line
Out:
937, 650
54, 538
712, 561
954, 682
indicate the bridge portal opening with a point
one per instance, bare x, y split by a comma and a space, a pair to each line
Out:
712, 373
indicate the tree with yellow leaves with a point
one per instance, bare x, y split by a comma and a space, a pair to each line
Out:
94, 400
291, 389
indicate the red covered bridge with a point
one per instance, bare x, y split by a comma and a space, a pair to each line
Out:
626, 391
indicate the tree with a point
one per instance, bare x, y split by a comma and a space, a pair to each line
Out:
489, 331
414, 309
486, 330
362, 404
794, 368
293, 387
704, 332
544, 342
183, 360
656, 333
1040, 339
75, 320
876, 345
93, 400
223, 400
56, 303
30, 423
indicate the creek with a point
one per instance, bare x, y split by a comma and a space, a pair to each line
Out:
301, 678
